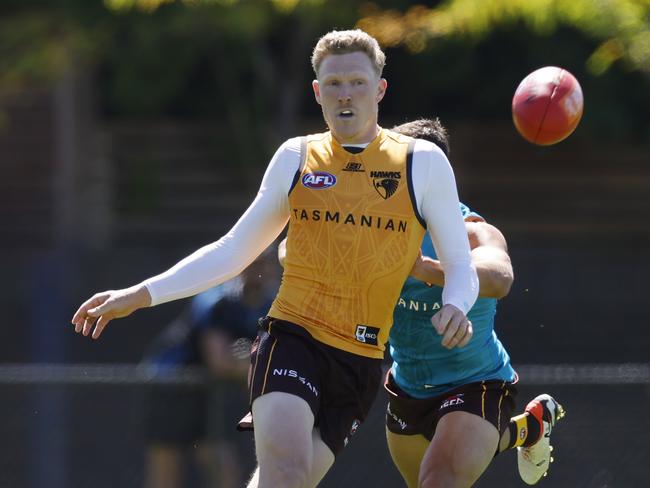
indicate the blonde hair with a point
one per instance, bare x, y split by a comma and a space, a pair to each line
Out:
345, 42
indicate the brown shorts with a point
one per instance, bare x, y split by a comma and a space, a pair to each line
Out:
338, 386
492, 400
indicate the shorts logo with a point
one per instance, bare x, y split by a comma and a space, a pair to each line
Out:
353, 430
355, 425
367, 334
453, 400
319, 180
523, 432
402, 423
386, 182
292, 373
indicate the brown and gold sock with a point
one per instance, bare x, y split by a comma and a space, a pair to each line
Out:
525, 430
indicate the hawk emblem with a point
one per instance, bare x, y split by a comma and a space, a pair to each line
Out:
386, 187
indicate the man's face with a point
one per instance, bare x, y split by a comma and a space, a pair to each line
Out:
349, 91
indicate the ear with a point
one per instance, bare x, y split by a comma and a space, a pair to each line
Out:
316, 88
381, 89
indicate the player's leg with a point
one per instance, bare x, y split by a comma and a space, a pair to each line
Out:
323, 458
460, 451
467, 425
504, 441
283, 440
285, 391
289, 392
407, 452
410, 424
530, 433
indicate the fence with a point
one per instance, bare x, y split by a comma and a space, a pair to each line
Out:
78, 426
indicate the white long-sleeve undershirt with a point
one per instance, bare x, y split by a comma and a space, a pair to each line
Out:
436, 198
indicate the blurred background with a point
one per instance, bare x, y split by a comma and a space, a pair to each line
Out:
134, 131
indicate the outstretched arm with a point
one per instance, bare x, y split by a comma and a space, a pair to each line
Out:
489, 255
212, 264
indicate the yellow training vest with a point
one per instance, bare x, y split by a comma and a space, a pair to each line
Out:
353, 237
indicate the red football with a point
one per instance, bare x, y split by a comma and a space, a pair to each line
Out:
547, 105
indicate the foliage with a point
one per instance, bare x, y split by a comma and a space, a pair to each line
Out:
621, 26
245, 63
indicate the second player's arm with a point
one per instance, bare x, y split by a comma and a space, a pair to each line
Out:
489, 255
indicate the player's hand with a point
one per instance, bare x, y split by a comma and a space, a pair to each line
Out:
454, 327
108, 305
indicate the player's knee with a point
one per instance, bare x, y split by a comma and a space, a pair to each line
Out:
292, 475
443, 478
286, 472
445, 472
435, 475
283, 464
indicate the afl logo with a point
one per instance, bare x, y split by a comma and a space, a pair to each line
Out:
319, 180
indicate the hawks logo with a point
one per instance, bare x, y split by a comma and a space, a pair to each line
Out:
385, 182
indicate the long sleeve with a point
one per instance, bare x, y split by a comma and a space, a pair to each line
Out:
437, 201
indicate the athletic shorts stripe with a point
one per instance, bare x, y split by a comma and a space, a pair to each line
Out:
253, 368
503, 393
268, 366
483, 399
